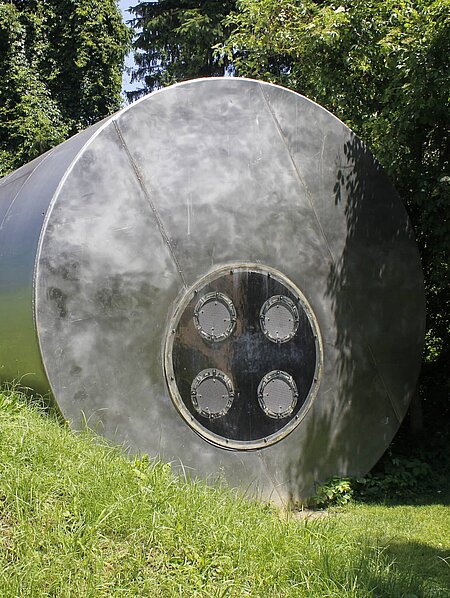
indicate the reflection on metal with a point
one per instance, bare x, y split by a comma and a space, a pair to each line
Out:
221, 265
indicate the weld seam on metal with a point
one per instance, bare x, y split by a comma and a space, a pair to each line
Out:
271, 478
300, 178
143, 186
11, 205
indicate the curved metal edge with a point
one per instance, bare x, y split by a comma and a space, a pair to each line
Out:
22, 175
94, 130
233, 81
169, 375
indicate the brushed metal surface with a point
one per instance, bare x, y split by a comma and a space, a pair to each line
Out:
101, 238
25, 196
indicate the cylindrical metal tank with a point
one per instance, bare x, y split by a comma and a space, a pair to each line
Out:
220, 275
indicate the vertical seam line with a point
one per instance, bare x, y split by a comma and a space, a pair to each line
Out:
300, 178
271, 477
144, 189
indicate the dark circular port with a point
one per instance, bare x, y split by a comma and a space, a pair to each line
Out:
243, 357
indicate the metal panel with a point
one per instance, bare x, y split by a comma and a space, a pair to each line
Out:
25, 196
191, 180
247, 355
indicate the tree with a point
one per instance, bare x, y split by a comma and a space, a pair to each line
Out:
83, 65
176, 39
30, 120
383, 68
61, 65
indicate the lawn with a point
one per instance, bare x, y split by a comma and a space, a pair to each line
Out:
79, 517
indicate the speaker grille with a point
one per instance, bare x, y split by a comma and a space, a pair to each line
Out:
279, 319
243, 357
277, 394
212, 393
215, 316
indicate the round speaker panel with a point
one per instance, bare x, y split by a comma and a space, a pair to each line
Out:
265, 406
212, 393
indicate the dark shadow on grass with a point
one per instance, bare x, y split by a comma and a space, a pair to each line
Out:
429, 568
437, 497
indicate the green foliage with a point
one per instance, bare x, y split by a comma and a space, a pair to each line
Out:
175, 40
30, 119
78, 518
335, 492
83, 63
399, 478
395, 479
61, 65
383, 68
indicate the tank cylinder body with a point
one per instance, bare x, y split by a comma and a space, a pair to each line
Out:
220, 275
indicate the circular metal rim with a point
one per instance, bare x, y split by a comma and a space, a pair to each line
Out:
226, 301
290, 306
287, 378
207, 435
212, 373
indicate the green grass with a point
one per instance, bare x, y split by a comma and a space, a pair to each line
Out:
79, 518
